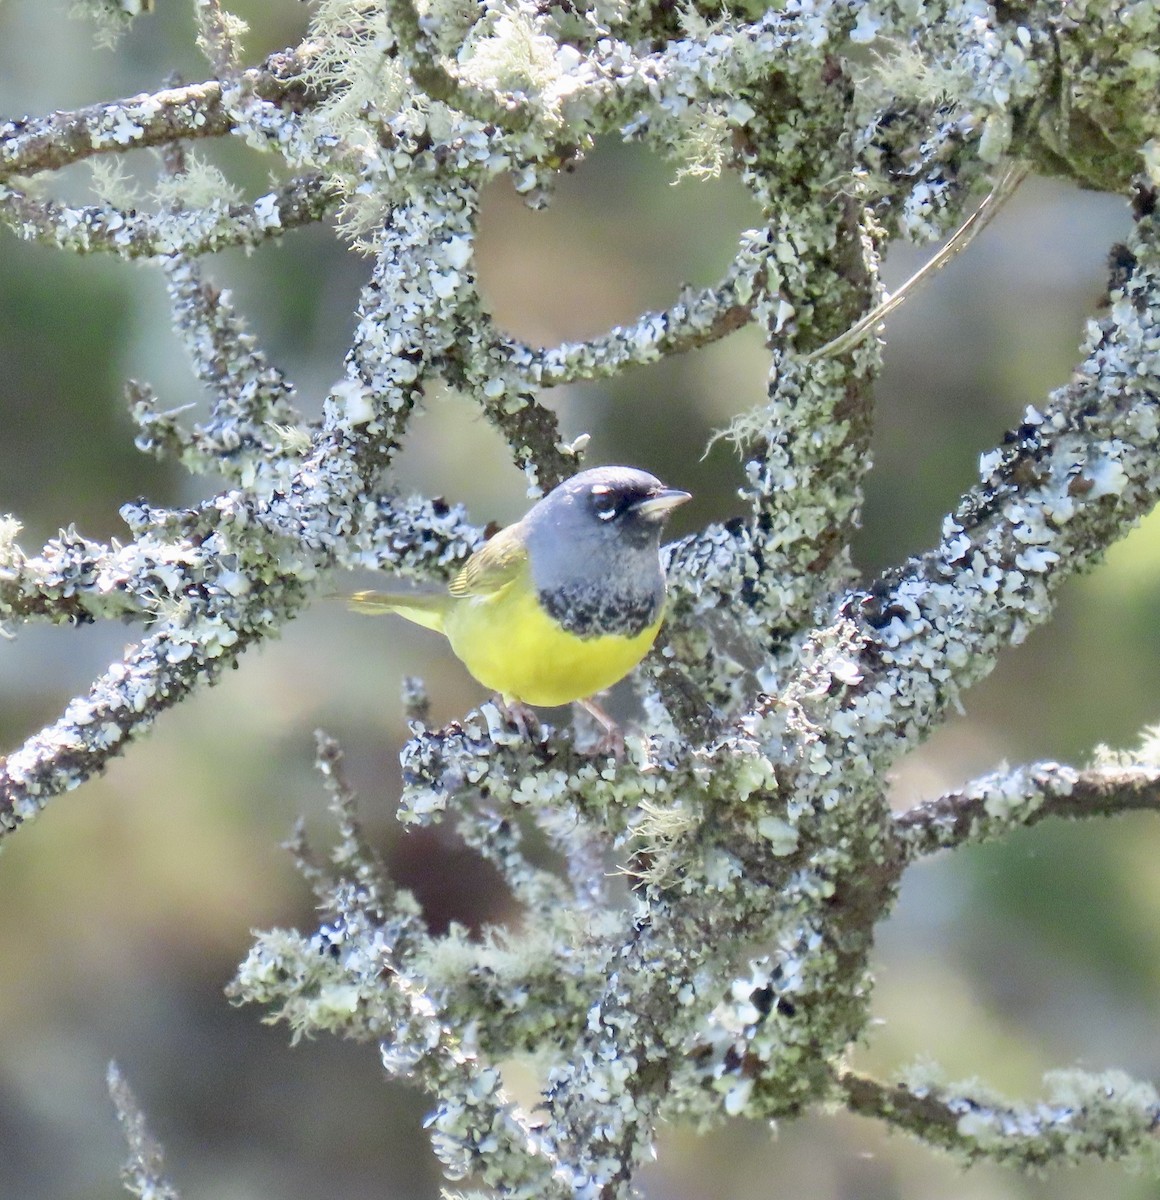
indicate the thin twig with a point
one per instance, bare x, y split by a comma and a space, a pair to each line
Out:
697, 319
991, 806
144, 1171
955, 245
1117, 1121
425, 66
193, 111
104, 227
215, 38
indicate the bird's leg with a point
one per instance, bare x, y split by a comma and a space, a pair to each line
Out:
611, 739
521, 717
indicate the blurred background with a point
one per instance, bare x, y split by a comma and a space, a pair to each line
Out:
128, 905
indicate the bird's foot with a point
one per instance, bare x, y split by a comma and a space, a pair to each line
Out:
520, 717
609, 742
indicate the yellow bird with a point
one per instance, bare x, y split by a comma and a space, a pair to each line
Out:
565, 602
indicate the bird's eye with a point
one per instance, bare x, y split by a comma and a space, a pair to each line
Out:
604, 502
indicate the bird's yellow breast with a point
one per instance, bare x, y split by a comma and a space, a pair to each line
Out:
511, 645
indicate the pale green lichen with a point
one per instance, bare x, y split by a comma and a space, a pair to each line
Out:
10, 553
111, 18
198, 185
511, 54
704, 149
112, 183
1146, 754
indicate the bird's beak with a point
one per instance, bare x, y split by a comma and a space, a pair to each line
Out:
657, 507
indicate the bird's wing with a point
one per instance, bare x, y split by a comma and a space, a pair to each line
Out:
494, 565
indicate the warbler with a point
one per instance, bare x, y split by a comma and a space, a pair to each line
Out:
563, 603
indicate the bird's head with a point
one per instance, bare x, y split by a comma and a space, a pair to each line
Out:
614, 504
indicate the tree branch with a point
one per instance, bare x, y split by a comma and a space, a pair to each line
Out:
1066, 484
30, 145
698, 318
425, 66
144, 1171
1109, 1117
993, 805
132, 234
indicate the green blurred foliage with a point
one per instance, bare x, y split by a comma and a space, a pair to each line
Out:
129, 903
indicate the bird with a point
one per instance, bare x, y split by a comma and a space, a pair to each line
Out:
565, 602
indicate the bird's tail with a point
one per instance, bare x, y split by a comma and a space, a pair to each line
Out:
423, 610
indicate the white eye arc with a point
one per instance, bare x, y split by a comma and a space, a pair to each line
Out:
604, 502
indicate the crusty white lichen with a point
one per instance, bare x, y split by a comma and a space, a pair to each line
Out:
1083, 1115
144, 1171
